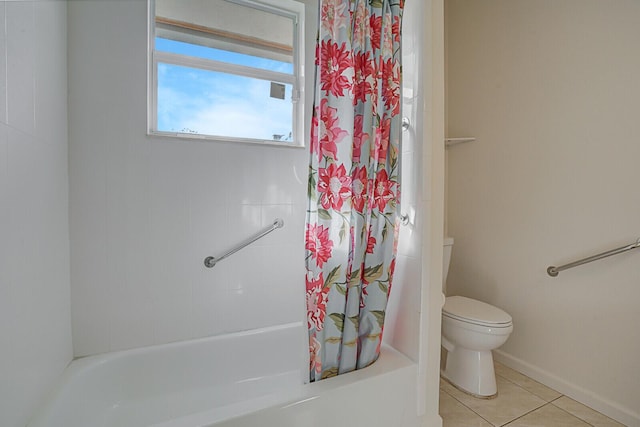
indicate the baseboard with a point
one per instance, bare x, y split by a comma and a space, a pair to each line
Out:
619, 413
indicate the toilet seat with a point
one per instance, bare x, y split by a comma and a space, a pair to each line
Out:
475, 312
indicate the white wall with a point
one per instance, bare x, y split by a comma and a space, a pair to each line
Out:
402, 322
550, 89
434, 121
146, 211
413, 318
35, 324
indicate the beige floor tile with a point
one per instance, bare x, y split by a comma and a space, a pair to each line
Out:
512, 402
585, 413
455, 414
446, 386
540, 390
548, 416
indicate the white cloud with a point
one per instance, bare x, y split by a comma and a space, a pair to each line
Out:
217, 104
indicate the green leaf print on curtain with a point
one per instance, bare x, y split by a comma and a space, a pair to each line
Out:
354, 192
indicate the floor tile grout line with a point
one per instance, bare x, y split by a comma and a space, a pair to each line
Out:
525, 414
572, 414
537, 395
516, 418
503, 424
468, 407
471, 409
546, 403
579, 417
559, 397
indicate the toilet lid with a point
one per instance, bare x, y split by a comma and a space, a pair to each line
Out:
474, 311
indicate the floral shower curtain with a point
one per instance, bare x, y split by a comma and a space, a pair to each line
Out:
352, 218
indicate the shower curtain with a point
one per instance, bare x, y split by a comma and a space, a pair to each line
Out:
354, 168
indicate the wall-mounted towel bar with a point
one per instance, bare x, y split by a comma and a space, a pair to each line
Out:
212, 261
553, 271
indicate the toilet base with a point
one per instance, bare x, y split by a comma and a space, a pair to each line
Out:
471, 371
477, 396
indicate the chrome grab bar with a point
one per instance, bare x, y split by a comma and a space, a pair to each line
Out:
210, 261
553, 271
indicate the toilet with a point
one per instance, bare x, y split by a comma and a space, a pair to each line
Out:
470, 330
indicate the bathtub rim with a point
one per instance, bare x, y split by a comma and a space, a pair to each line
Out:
88, 360
78, 367
393, 359
393, 363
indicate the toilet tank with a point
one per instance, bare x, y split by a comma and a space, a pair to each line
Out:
446, 259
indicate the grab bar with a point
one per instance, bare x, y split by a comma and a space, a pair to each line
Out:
210, 261
553, 271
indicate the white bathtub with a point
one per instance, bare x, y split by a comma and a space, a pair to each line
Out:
251, 378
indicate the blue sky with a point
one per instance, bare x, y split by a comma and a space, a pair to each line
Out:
214, 103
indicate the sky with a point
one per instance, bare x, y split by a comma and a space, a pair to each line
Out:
192, 100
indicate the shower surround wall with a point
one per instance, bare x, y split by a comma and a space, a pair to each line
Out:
146, 211
35, 317
550, 89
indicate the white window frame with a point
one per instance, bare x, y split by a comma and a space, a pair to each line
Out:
287, 8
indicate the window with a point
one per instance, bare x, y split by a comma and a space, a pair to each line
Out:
227, 69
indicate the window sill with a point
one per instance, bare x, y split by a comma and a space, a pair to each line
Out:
227, 139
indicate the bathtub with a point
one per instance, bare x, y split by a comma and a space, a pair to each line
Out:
252, 378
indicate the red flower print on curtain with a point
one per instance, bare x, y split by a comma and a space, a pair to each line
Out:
352, 218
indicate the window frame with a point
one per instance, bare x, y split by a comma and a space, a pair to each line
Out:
287, 8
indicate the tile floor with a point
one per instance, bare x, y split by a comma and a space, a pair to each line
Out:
521, 402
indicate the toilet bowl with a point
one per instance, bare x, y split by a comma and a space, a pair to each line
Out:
471, 329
